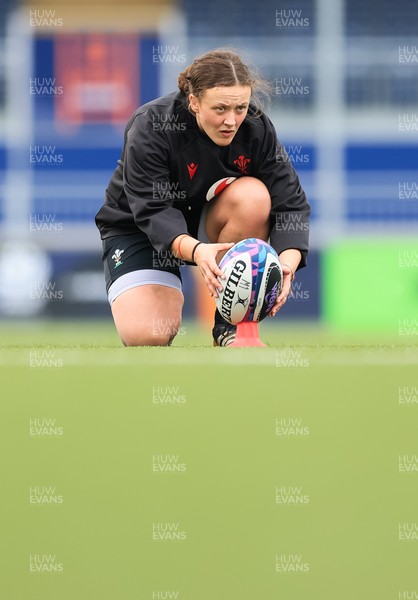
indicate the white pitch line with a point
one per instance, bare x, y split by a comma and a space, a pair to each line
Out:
288, 358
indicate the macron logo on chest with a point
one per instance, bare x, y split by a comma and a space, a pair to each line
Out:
192, 170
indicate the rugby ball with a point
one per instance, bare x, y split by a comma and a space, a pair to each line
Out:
253, 281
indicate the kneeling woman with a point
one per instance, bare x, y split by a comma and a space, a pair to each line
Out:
200, 169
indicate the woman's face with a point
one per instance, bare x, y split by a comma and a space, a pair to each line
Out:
221, 110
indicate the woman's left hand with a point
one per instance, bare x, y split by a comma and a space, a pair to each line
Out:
286, 290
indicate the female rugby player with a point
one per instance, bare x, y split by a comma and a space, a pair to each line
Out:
200, 169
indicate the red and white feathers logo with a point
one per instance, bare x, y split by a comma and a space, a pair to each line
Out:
242, 163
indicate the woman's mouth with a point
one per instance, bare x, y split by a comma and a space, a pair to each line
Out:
227, 132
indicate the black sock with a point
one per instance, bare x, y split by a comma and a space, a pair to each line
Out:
219, 320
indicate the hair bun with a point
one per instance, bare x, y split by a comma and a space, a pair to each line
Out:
183, 82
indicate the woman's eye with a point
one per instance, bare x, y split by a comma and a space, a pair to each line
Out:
239, 109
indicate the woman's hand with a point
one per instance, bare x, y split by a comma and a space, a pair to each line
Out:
286, 289
289, 259
205, 258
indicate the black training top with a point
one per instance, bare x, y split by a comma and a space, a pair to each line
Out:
169, 168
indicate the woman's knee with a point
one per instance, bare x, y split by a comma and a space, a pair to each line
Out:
161, 333
245, 197
148, 315
246, 202
247, 191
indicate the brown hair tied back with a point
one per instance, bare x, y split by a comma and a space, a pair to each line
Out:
221, 67
183, 82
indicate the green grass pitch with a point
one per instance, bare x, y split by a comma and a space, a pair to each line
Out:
200, 473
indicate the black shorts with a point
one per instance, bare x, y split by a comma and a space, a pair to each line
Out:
124, 256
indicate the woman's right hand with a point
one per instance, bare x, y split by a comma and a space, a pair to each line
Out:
205, 258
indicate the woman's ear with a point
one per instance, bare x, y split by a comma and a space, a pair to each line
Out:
193, 103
